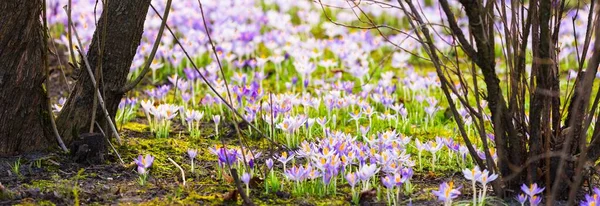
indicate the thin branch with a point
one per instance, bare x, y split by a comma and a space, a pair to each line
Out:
458, 32
180, 169
46, 68
70, 36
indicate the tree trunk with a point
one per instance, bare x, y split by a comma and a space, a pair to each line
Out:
24, 125
118, 35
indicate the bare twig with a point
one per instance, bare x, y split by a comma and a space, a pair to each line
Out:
69, 35
180, 169
46, 68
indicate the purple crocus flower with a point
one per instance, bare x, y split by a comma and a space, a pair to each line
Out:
226, 156
388, 182
122, 104
144, 161
327, 175
535, 200
532, 190
367, 171
192, 153
352, 179
191, 74
521, 198
399, 179
446, 193
186, 97
251, 163
269, 163
246, 178
407, 173
217, 119
295, 173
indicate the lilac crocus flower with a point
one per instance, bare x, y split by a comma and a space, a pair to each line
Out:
521, 198
284, 158
532, 189
217, 119
226, 156
420, 146
295, 173
407, 173
352, 179
535, 200
192, 154
473, 175
399, 179
388, 182
486, 178
122, 105
144, 161
186, 97
246, 178
446, 193
364, 130
367, 171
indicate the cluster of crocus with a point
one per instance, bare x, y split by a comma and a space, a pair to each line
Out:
159, 117
290, 125
530, 192
126, 110
340, 157
143, 165
193, 119
242, 159
483, 177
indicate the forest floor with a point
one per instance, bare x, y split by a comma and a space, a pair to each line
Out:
56, 179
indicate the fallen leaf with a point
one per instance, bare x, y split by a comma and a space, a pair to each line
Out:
430, 175
227, 178
230, 196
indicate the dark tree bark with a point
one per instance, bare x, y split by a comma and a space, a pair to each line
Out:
24, 122
118, 35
